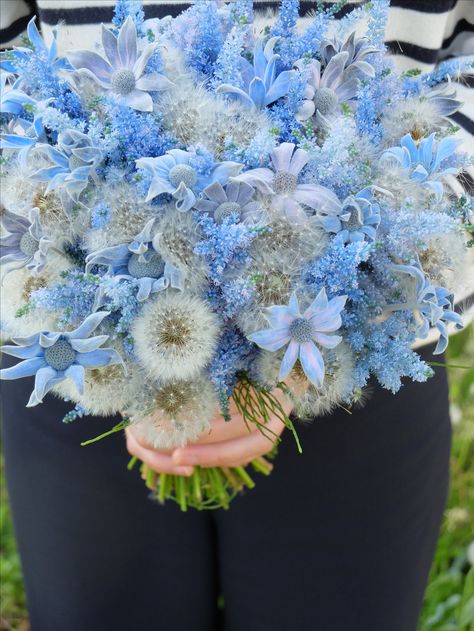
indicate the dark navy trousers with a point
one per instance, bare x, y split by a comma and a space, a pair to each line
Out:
339, 538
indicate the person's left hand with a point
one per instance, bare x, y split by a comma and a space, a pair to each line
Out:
225, 444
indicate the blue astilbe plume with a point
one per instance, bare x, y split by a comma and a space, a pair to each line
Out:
242, 11
203, 47
124, 9
287, 17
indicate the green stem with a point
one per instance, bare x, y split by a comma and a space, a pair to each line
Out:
440, 365
132, 462
117, 428
162, 488
247, 480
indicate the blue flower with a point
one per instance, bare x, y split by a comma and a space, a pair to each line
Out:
281, 182
175, 173
356, 219
122, 71
327, 89
431, 306
13, 99
357, 49
139, 262
423, 160
262, 85
236, 197
74, 158
12, 61
25, 245
301, 331
54, 357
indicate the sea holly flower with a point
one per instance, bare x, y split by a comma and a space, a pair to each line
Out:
356, 219
74, 159
281, 182
357, 49
221, 201
431, 306
423, 161
122, 73
53, 357
25, 245
326, 89
302, 332
262, 85
139, 262
175, 174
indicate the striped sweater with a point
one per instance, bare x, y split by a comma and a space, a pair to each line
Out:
419, 33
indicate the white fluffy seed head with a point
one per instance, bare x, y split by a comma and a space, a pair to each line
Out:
336, 389
447, 263
128, 218
416, 116
175, 336
175, 413
15, 293
107, 390
195, 115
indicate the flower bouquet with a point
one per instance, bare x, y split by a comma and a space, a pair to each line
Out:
210, 208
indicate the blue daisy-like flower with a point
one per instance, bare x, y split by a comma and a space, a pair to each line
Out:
302, 332
54, 357
424, 160
138, 262
175, 174
25, 245
262, 85
355, 219
122, 72
236, 197
431, 306
73, 159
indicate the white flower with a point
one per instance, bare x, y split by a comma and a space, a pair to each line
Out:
175, 336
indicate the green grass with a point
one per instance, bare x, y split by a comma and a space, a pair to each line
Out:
449, 599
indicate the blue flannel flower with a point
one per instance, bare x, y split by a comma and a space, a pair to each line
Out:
122, 73
54, 357
12, 60
301, 331
139, 262
24, 245
424, 160
74, 158
357, 49
12, 98
175, 174
236, 197
262, 85
431, 306
355, 219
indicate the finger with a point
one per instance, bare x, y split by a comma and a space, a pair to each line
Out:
161, 463
238, 450
143, 443
224, 430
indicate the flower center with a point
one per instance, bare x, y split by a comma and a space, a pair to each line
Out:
356, 220
174, 332
284, 182
60, 355
182, 173
173, 397
28, 244
325, 100
226, 209
301, 330
123, 81
152, 267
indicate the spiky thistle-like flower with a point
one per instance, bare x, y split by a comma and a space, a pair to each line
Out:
175, 336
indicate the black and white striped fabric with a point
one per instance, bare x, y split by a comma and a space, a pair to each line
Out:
419, 33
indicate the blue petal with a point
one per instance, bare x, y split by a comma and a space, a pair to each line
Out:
289, 359
23, 369
100, 357
76, 373
257, 92
89, 325
312, 363
270, 339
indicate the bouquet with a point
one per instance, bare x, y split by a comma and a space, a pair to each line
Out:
210, 208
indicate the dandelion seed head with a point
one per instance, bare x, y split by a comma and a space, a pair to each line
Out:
175, 336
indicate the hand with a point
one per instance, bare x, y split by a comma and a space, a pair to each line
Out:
225, 444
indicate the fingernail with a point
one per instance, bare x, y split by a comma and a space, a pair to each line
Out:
187, 471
